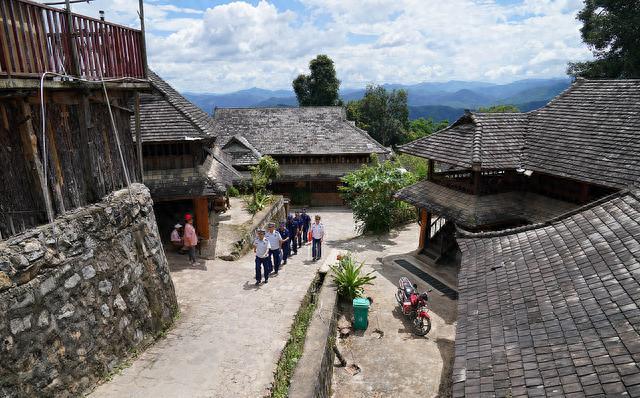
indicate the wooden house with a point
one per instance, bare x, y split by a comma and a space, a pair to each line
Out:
183, 168
82, 150
503, 170
314, 146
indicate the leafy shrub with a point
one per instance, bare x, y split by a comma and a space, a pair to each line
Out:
257, 202
233, 191
348, 277
369, 191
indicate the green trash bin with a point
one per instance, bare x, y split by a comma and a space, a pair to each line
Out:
360, 313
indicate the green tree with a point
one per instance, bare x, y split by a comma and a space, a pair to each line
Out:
319, 88
369, 192
422, 127
262, 174
384, 115
499, 109
611, 29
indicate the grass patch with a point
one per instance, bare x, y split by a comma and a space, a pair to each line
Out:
293, 349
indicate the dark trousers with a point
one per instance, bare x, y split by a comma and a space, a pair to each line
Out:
299, 237
263, 264
305, 234
275, 259
294, 244
316, 250
192, 254
286, 250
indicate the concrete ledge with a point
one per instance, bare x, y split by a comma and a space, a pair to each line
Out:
312, 376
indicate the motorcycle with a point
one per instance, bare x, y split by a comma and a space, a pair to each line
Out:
414, 306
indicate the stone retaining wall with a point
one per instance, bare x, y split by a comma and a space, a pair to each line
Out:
76, 301
313, 373
276, 213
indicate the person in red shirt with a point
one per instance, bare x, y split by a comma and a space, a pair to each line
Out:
190, 238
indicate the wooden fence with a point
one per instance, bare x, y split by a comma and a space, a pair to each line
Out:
35, 38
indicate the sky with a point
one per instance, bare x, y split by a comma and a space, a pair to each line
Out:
223, 46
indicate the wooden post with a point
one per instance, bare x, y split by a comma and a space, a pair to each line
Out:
139, 136
584, 192
425, 225
75, 66
201, 210
476, 182
144, 40
32, 156
431, 170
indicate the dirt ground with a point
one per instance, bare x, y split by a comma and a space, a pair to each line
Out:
395, 362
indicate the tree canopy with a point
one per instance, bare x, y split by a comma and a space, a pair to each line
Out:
369, 192
611, 29
321, 86
422, 127
384, 114
499, 109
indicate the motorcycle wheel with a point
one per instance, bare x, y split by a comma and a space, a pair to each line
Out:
399, 297
421, 326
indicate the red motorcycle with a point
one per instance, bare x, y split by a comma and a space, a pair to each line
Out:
414, 305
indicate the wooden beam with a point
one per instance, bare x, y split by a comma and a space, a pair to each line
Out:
477, 175
32, 155
431, 170
201, 210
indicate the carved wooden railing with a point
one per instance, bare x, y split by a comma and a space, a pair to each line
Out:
35, 38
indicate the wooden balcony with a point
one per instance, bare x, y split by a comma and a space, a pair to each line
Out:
35, 38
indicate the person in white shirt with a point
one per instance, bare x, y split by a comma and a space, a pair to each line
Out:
261, 248
176, 239
317, 236
275, 241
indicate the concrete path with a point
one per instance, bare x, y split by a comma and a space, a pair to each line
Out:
399, 364
230, 334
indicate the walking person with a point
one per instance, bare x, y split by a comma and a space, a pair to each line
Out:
286, 243
317, 235
263, 261
306, 224
190, 238
298, 220
275, 242
292, 227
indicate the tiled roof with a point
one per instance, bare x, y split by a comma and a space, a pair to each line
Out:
241, 151
552, 309
590, 133
295, 131
472, 211
165, 115
490, 140
182, 184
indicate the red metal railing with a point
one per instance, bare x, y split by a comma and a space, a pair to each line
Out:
35, 38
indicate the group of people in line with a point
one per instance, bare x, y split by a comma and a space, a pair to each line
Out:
274, 246
185, 239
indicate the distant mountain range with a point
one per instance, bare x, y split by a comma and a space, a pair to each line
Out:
440, 101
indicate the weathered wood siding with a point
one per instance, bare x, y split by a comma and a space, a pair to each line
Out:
83, 162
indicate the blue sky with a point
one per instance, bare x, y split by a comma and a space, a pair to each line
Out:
222, 46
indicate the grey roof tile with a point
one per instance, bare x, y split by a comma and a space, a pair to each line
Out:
294, 131
558, 285
590, 133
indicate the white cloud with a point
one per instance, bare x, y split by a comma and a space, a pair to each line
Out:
239, 45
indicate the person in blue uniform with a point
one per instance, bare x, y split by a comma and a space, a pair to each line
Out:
286, 243
275, 244
298, 220
306, 224
292, 228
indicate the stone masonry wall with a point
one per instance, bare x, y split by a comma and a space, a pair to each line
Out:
76, 301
